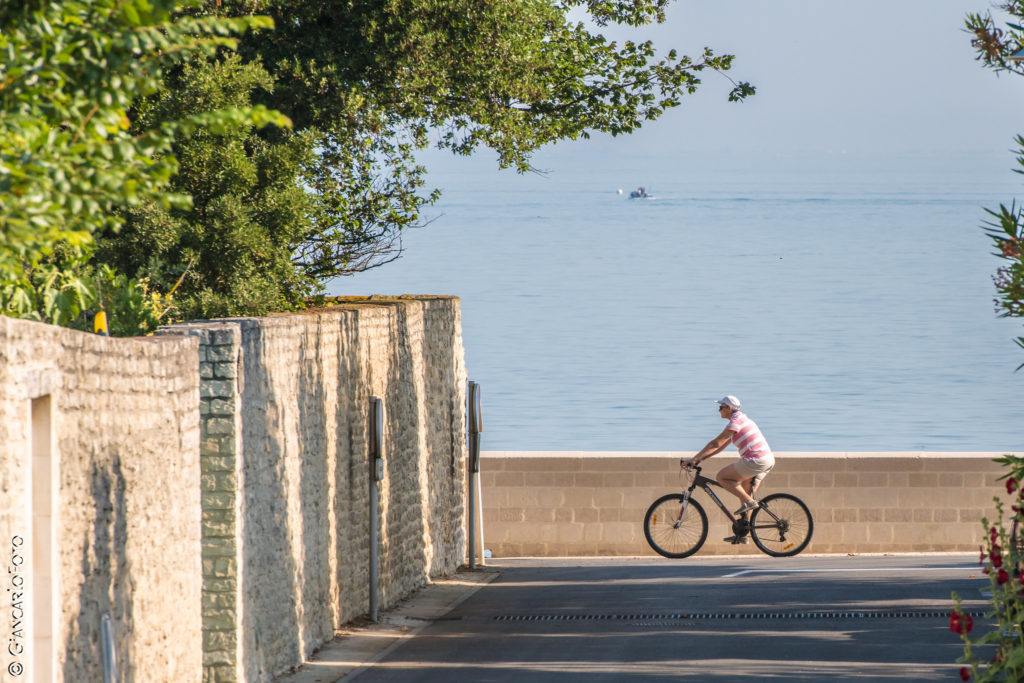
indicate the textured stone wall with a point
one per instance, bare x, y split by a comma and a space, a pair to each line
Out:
211, 484
286, 471
219, 358
565, 504
126, 516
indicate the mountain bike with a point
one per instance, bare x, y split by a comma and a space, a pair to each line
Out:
676, 525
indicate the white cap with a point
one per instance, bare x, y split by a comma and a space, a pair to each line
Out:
730, 401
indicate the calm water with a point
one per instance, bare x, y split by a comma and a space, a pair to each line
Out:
850, 309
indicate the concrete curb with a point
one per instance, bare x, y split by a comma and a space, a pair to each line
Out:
356, 647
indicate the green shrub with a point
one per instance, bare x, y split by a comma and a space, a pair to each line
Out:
1003, 562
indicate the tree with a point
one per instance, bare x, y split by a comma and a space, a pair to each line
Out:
69, 158
369, 83
1002, 552
1005, 226
231, 249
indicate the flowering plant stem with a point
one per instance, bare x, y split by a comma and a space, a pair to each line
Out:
1003, 562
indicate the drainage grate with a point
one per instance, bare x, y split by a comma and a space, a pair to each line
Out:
732, 616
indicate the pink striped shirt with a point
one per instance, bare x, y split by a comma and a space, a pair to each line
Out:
747, 437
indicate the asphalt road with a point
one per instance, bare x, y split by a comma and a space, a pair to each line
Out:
613, 619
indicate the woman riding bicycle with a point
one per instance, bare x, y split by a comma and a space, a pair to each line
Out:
741, 478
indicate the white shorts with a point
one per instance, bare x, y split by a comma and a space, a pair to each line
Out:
754, 469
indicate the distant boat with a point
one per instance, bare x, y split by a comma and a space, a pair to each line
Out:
640, 193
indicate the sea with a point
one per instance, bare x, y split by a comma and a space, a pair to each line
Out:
847, 302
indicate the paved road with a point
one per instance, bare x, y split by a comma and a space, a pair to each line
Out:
799, 619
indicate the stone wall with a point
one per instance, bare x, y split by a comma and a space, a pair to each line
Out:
100, 505
208, 488
285, 422
565, 504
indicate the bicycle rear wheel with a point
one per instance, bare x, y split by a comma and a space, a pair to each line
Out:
675, 530
782, 526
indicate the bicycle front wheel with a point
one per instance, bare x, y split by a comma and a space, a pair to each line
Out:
782, 525
675, 527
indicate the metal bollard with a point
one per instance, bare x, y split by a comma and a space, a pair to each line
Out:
109, 649
475, 427
376, 475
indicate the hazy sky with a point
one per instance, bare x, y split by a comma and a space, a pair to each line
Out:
869, 79
868, 76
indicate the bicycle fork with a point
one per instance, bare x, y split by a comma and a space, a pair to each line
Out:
682, 510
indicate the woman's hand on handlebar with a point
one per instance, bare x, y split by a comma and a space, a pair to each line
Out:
687, 464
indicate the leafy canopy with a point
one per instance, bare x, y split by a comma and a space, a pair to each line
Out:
1002, 555
69, 157
1005, 226
368, 84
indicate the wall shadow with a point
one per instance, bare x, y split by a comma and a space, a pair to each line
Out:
351, 474
403, 547
314, 576
107, 586
445, 436
269, 617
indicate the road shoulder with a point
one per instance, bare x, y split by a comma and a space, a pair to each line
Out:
358, 644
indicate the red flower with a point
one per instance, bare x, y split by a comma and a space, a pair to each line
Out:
1011, 485
981, 559
997, 559
965, 673
993, 534
960, 623
1002, 577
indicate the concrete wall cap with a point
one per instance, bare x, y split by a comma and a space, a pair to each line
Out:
778, 454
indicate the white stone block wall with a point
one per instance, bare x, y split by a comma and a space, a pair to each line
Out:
300, 467
219, 356
210, 485
125, 523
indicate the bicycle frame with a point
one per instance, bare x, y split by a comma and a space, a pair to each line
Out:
704, 483
707, 483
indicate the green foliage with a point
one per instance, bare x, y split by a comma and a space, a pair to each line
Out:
1006, 226
132, 308
510, 76
49, 289
69, 156
1002, 557
368, 84
1006, 230
231, 251
1003, 553
59, 290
